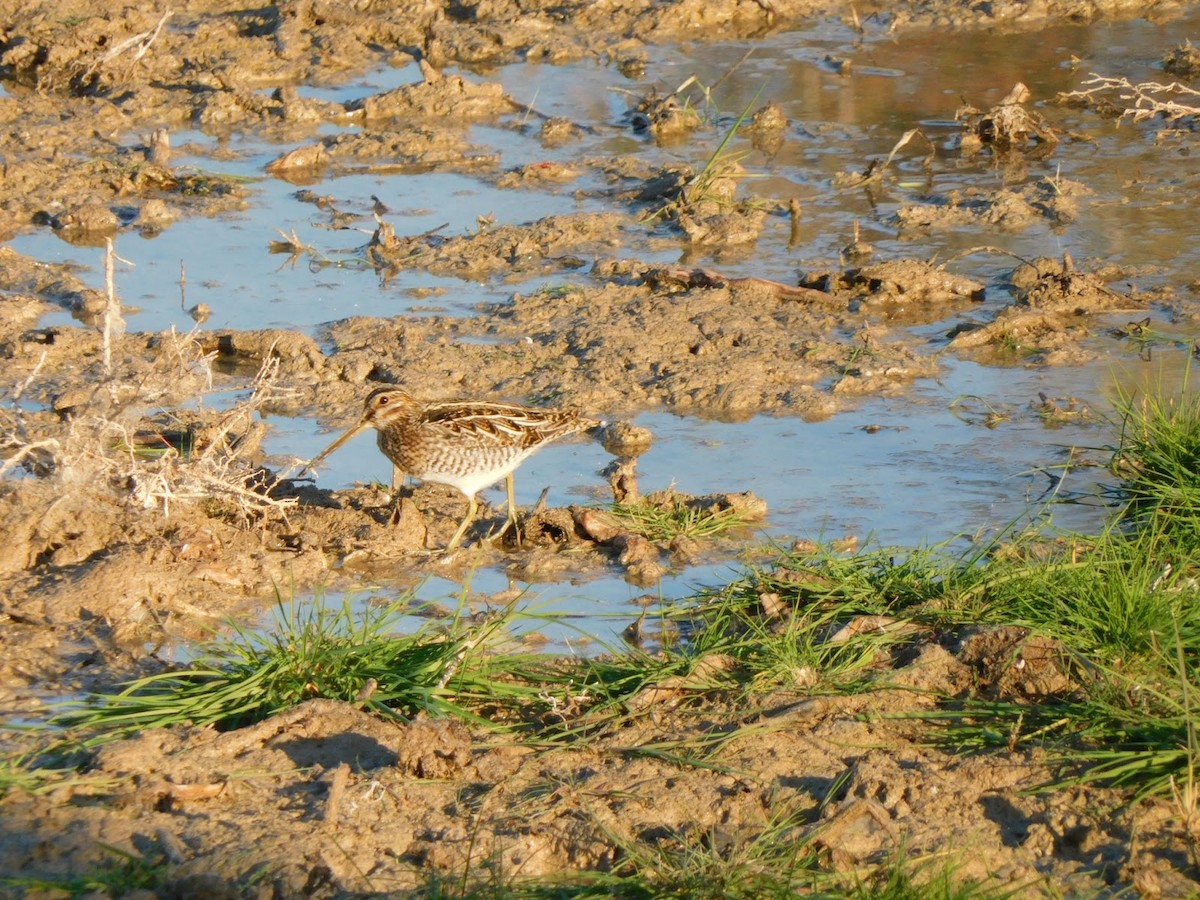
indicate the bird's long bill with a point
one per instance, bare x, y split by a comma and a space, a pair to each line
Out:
316, 460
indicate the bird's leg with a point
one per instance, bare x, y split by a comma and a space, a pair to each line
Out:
397, 492
511, 520
472, 508
396, 478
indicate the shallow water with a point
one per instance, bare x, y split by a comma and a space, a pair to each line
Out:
903, 471
898, 472
839, 122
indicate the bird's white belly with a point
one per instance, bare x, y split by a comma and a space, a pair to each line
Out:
471, 483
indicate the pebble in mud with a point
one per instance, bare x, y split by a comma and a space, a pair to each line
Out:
623, 439
93, 219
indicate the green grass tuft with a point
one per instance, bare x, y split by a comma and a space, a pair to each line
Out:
121, 874
330, 653
1158, 461
664, 521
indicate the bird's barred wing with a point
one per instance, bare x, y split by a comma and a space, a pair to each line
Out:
498, 424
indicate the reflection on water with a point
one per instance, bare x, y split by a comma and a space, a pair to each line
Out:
898, 471
895, 472
838, 122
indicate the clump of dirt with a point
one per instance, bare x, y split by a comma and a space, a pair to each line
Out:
703, 206
729, 349
438, 96
709, 215
768, 128
1056, 284
1052, 313
1009, 125
415, 147
539, 173
1007, 17
668, 118
1010, 663
1045, 200
402, 129
1183, 61
904, 290
508, 248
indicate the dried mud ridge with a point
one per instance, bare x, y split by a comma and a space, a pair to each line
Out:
217, 526
334, 800
112, 550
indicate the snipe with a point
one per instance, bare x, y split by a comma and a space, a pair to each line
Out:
467, 444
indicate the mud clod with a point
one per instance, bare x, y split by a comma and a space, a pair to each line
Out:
1009, 125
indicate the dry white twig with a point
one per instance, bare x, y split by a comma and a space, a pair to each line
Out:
26, 450
1140, 101
104, 449
23, 386
114, 323
218, 471
876, 169
142, 41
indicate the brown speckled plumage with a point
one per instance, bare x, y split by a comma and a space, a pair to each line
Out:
466, 444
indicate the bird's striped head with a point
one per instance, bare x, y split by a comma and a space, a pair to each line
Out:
382, 406
386, 404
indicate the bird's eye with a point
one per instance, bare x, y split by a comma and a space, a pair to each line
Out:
383, 400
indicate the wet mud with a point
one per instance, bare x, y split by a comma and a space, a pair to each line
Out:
134, 516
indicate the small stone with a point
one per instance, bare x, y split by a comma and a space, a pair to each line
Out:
769, 118
626, 439
622, 476
154, 215
598, 525
92, 219
747, 505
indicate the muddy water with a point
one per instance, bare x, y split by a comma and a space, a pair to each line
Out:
910, 469
895, 472
838, 122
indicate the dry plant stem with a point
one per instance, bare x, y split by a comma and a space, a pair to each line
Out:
265, 382
875, 171
22, 433
216, 472
687, 83
112, 309
337, 787
982, 248
467, 647
142, 41
21, 388
737, 65
1144, 96
28, 449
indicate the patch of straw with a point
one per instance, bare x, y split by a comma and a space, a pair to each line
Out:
82, 458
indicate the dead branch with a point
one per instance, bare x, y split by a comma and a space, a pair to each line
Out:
114, 323
1138, 101
140, 42
27, 450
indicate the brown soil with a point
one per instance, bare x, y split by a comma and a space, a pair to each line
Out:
109, 555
